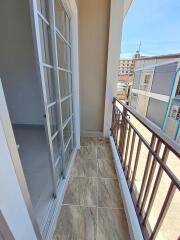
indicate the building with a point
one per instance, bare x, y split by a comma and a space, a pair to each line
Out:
155, 91
126, 66
64, 139
125, 76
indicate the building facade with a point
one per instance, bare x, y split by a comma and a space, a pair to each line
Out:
155, 91
125, 76
126, 66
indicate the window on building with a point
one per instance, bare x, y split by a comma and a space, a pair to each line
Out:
178, 88
146, 82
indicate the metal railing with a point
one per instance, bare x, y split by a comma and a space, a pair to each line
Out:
130, 143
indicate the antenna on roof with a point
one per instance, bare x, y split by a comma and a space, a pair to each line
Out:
139, 47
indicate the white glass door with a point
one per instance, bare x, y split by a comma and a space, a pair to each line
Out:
52, 32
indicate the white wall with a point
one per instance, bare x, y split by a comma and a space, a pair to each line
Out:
17, 63
12, 203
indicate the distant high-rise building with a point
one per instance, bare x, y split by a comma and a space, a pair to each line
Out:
126, 65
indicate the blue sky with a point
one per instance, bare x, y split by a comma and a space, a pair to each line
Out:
156, 23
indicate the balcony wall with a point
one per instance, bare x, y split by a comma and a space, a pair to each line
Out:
93, 50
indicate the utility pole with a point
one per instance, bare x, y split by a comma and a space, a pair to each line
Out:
139, 46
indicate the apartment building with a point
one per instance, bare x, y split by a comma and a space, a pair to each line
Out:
126, 65
155, 91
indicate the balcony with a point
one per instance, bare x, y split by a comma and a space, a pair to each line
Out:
92, 206
97, 204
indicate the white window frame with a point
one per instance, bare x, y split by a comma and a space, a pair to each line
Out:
143, 86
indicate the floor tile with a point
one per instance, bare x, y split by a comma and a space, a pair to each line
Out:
88, 152
101, 141
104, 151
112, 224
76, 223
84, 167
109, 193
88, 141
106, 169
81, 191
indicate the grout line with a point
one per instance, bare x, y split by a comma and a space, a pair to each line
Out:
112, 208
86, 206
115, 178
79, 205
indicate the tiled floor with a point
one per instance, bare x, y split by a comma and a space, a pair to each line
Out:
92, 207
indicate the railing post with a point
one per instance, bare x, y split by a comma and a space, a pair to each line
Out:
123, 132
113, 116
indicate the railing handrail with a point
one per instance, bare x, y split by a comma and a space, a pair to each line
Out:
172, 145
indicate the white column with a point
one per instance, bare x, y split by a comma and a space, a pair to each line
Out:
115, 33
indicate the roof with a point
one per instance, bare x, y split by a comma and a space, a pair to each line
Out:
176, 55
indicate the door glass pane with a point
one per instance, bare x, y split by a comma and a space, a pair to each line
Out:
65, 107
67, 132
58, 171
68, 153
53, 118
67, 28
68, 58
64, 83
60, 17
50, 85
70, 82
62, 53
45, 42
42, 6
56, 147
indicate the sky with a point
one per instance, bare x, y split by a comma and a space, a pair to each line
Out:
156, 23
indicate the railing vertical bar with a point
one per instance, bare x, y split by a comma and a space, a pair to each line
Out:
123, 135
118, 132
150, 177
127, 148
117, 127
121, 138
125, 138
164, 209
136, 163
156, 185
148, 163
131, 154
